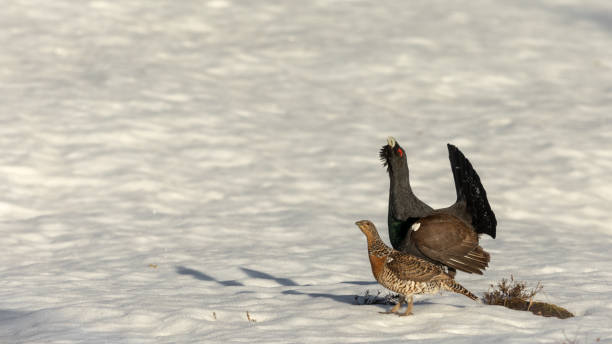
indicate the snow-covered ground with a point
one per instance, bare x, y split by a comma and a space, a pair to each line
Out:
167, 166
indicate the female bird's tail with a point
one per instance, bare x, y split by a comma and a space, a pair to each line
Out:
458, 288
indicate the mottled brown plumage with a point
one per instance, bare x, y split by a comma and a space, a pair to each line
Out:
404, 273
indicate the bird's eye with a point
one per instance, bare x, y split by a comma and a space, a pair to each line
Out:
400, 152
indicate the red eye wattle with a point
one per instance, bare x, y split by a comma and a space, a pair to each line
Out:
400, 152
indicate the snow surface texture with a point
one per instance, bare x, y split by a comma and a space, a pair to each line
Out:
167, 166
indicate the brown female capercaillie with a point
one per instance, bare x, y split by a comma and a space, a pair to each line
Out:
406, 274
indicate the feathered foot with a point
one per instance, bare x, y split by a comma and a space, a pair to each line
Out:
408, 307
396, 307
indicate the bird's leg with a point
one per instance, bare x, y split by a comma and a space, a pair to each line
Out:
408, 307
396, 307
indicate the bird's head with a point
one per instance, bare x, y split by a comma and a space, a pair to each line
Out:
367, 227
392, 155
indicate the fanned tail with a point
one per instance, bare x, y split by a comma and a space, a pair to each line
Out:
458, 288
475, 261
470, 190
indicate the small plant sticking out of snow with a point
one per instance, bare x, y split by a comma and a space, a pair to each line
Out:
515, 295
575, 339
371, 299
250, 318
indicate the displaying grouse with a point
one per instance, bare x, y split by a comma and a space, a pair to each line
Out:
404, 273
447, 236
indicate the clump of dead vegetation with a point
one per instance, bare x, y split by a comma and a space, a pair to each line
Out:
516, 295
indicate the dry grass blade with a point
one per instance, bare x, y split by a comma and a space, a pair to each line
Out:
249, 318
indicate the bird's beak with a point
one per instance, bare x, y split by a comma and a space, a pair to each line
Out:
391, 141
361, 224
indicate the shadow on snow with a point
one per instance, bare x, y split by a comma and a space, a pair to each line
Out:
351, 299
181, 270
262, 275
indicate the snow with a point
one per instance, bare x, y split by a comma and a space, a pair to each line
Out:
169, 166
